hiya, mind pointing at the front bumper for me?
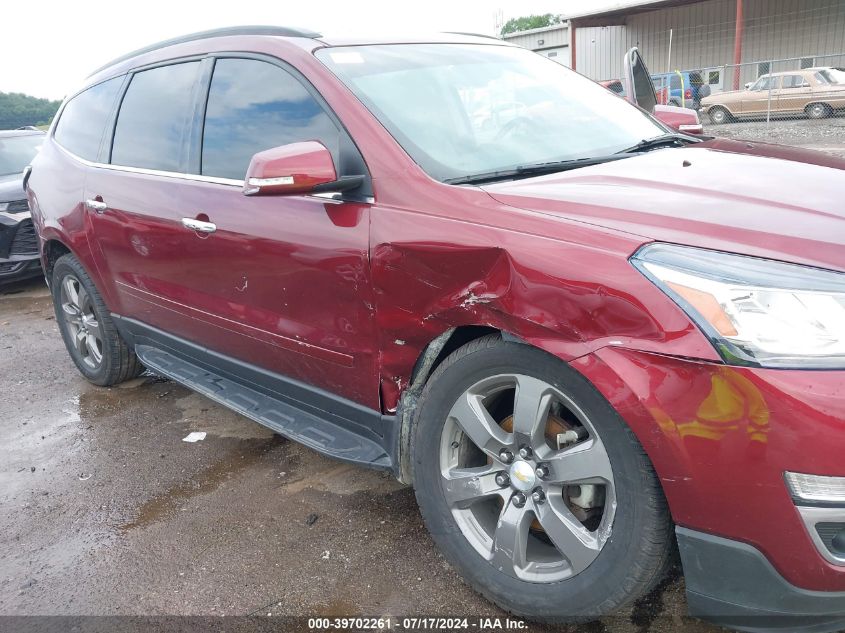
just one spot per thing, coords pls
(732, 584)
(19, 258)
(721, 438)
(17, 268)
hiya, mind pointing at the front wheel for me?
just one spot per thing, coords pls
(89, 333)
(534, 488)
(718, 116)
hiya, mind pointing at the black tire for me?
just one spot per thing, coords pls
(640, 549)
(719, 115)
(116, 360)
(818, 110)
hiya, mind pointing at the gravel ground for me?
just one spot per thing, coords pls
(105, 511)
(827, 135)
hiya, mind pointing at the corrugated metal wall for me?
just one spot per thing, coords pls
(703, 36)
(552, 37)
(555, 42)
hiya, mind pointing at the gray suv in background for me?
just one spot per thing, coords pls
(18, 242)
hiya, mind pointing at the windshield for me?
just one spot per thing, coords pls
(16, 152)
(466, 109)
(833, 75)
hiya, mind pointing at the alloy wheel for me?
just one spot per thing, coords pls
(83, 326)
(526, 478)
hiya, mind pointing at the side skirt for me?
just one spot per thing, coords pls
(311, 416)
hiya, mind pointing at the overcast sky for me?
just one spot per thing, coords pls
(46, 48)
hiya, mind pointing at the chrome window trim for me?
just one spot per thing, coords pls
(229, 182)
(151, 172)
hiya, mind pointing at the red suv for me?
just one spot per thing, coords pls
(585, 340)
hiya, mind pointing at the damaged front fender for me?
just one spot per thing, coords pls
(432, 274)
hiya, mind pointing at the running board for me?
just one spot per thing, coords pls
(279, 415)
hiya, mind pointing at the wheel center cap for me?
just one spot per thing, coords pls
(522, 476)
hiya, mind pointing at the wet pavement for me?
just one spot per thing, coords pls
(104, 510)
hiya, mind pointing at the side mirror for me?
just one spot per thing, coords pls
(748, 85)
(296, 168)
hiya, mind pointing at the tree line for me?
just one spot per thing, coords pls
(527, 22)
(18, 109)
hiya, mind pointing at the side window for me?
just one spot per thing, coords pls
(253, 106)
(153, 123)
(674, 82)
(80, 128)
(766, 83)
(793, 81)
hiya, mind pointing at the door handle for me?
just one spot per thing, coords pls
(199, 225)
(97, 206)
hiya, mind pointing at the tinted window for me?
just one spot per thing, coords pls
(675, 82)
(152, 126)
(695, 79)
(253, 106)
(80, 128)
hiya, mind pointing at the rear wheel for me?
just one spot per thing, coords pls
(719, 115)
(818, 110)
(87, 328)
(534, 488)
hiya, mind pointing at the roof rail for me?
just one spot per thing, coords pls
(279, 31)
(489, 37)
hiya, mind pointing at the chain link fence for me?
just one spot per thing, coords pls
(790, 86)
(797, 101)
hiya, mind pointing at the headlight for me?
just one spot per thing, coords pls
(755, 311)
(15, 206)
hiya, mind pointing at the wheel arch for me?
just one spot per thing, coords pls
(431, 355)
(51, 251)
(824, 104)
(721, 106)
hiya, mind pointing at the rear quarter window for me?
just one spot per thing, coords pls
(83, 119)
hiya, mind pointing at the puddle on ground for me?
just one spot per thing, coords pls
(201, 414)
(247, 453)
(338, 609)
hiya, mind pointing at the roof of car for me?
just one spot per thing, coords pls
(797, 71)
(304, 34)
(8, 133)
